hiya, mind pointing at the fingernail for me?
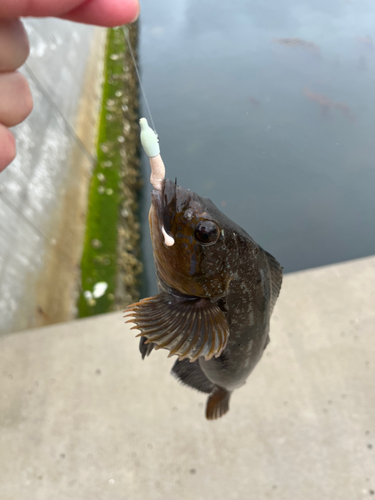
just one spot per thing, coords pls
(137, 14)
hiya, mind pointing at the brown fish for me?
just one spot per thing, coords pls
(217, 289)
(217, 292)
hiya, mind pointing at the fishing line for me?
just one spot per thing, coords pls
(126, 33)
(14, 237)
(69, 127)
(70, 133)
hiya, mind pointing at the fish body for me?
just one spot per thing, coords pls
(217, 289)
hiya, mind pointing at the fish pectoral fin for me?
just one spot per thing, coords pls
(187, 326)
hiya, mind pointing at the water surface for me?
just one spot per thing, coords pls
(268, 108)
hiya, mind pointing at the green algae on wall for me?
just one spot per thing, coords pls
(110, 266)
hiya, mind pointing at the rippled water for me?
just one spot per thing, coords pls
(268, 108)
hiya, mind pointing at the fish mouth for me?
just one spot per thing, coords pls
(165, 203)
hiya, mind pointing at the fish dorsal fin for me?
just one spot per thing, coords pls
(188, 327)
(276, 277)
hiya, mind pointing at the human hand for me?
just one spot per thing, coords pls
(15, 97)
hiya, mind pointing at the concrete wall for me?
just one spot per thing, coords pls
(43, 192)
(83, 417)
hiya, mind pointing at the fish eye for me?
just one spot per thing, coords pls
(207, 232)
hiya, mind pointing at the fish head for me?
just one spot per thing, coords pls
(190, 241)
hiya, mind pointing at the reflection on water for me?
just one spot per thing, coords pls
(268, 108)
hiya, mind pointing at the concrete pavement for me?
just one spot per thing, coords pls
(83, 418)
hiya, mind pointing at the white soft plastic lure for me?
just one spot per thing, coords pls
(150, 144)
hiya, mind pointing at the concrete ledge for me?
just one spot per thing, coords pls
(82, 417)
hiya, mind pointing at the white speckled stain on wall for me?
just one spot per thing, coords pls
(31, 188)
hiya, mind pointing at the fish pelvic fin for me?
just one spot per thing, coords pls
(189, 327)
(217, 403)
(191, 374)
(145, 349)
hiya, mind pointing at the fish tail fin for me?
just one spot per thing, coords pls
(217, 403)
(191, 374)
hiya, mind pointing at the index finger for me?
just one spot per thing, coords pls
(37, 8)
(100, 12)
